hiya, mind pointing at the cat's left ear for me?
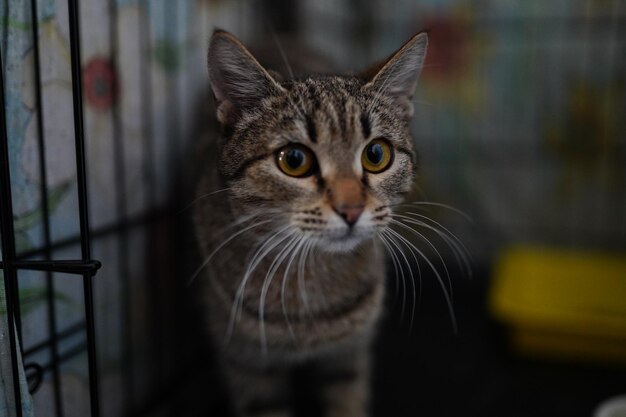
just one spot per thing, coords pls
(238, 81)
(397, 76)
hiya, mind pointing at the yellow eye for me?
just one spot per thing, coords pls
(377, 156)
(295, 160)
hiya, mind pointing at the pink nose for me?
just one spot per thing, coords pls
(350, 214)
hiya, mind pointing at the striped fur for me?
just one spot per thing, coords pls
(287, 280)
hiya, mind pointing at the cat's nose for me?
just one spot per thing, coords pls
(347, 198)
(350, 214)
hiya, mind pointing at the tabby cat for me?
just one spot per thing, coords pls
(308, 171)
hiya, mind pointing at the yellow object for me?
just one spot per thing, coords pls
(564, 304)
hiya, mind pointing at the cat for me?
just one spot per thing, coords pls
(291, 202)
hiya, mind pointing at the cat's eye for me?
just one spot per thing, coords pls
(377, 156)
(295, 160)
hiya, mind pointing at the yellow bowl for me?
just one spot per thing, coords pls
(562, 303)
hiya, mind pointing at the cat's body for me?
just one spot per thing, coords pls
(293, 270)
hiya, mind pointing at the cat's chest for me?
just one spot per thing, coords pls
(299, 280)
(316, 301)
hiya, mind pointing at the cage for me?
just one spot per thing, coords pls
(518, 123)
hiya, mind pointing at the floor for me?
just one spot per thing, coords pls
(431, 371)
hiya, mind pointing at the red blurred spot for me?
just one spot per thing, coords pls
(446, 50)
(100, 83)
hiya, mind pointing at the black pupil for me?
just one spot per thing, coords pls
(294, 158)
(375, 153)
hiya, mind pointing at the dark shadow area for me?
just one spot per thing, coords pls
(429, 370)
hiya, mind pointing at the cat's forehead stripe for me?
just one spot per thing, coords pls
(311, 130)
(329, 107)
(366, 125)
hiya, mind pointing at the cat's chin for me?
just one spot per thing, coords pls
(341, 244)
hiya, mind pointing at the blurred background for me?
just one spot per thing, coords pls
(519, 124)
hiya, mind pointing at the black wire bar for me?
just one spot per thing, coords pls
(81, 177)
(5, 28)
(8, 250)
(69, 267)
(52, 322)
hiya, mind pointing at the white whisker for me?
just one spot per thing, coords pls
(301, 270)
(459, 250)
(202, 197)
(430, 203)
(224, 243)
(396, 274)
(283, 286)
(439, 279)
(408, 265)
(282, 54)
(398, 269)
(433, 247)
(278, 260)
(416, 300)
(267, 246)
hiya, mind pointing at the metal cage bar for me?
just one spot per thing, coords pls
(52, 322)
(8, 249)
(81, 176)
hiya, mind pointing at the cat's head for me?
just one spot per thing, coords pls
(324, 156)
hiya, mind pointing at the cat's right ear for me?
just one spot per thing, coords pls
(397, 76)
(237, 79)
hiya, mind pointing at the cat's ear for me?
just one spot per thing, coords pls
(397, 76)
(237, 79)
